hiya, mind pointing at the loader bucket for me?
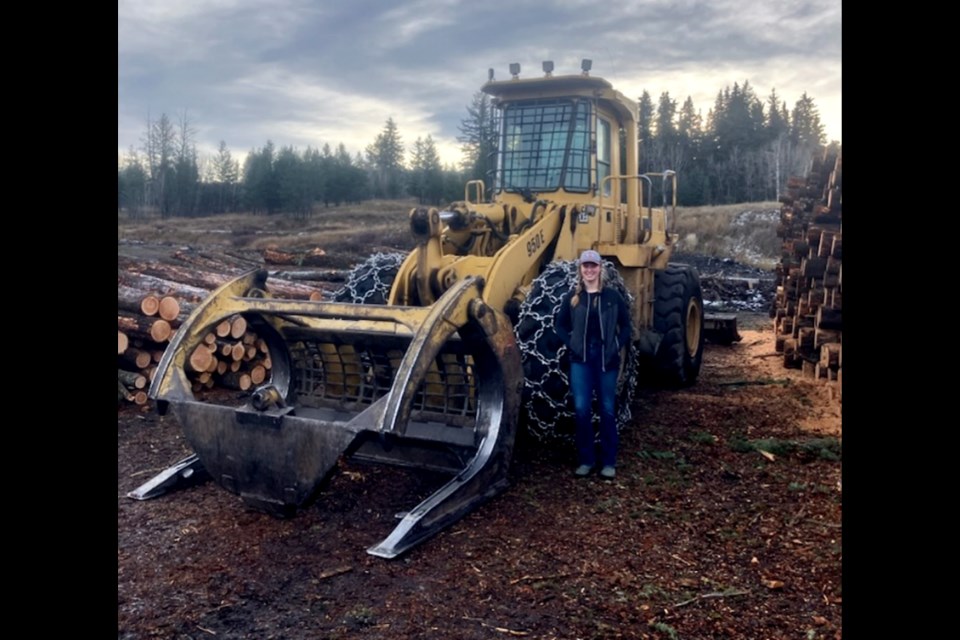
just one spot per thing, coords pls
(433, 387)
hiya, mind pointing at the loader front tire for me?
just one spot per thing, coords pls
(678, 318)
(547, 403)
(370, 281)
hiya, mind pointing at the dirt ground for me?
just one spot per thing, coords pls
(724, 521)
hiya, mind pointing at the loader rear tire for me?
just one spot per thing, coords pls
(678, 318)
(547, 403)
(370, 281)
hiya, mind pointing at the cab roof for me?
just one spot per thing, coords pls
(568, 86)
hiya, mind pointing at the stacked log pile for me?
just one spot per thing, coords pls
(807, 308)
(155, 297)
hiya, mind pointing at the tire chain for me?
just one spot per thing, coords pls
(370, 281)
(547, 401)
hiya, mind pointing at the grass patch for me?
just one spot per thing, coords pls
(359, 617)
(663, 627)
(648, 591)
(746, 232)
(702, 437)
(657, 455)
(610, 505)
(816, 448)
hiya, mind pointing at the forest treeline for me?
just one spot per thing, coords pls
(742, 151)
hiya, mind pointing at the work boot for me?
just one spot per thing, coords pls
(608, 472)
(583, 471)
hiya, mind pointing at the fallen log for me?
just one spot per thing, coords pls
(230, 349)
(156, 329)
(218, 262)
(199, 360)
(136, 358)
(238, 327)
(316, 275)
(131, 380)
(258, 374)
(188, 275)
(137, 300)
(149, 283)
(238, 380)
(210, 281)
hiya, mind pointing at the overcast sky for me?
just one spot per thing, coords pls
(309, 72)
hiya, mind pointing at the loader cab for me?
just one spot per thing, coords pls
(562, 136)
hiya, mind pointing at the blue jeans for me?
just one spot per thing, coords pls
(585, 379)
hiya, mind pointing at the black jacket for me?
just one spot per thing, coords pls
(615, 328)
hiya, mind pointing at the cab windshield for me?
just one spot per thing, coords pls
(546, 146)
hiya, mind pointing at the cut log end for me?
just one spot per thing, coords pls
(258, 374)
(160, 331)
(238, 327)
(200, 359)
(150, 305)
(169, 308)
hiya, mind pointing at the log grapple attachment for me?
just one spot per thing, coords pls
(435, 387)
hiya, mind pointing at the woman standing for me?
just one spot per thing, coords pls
(594, 322)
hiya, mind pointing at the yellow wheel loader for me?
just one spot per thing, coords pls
(432, 360)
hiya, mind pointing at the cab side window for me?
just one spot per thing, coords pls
(603, 155)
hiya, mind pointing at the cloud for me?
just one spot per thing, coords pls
(300, 72)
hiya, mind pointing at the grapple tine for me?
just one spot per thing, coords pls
(498, 399)
(184, 473)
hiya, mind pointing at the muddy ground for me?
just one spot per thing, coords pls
(724, 521)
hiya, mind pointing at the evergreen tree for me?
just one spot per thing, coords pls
(338, 180)
(666, 153)
(347, 178)
(425, 177)
(294, 185)
(736, 135)
(385, 155)
(692, 182)
(226, 172)
(453, 183)
(777, 123)
(260, 189)
(777, 133)
(806, 128)
(158, 148)
(737, 119)
(185, 194)
(645, 131)
(359, 177)
(806, 136)
(132, 185)
(478, 140)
